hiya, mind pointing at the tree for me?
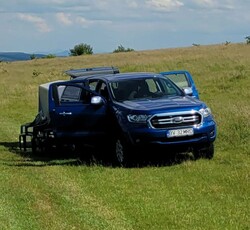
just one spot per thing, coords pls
(81, 49)
(122, 49)
(50, 56)
(247, 39)
(32, 56)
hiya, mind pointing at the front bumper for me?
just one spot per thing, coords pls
(206, 133)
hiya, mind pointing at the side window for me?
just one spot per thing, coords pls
(70, 94)
(104, 90)
(179, 79)
(101, 88)
(93, 84)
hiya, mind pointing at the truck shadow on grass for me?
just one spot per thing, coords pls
(87, 156)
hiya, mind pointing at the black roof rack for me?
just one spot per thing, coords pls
(74, 73)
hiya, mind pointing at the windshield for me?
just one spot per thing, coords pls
(134, 89)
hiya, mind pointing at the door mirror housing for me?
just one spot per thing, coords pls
(97, 100)
(188, 91)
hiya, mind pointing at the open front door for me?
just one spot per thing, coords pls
(73, 115)
(183, 80)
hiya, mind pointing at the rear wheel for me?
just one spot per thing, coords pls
(41, 144)
(35, 146)
(206, 152)
(38, 146)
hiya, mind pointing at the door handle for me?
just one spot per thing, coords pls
(65, 113)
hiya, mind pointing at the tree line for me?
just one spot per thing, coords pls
(84, 48)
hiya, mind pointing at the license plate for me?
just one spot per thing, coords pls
(180, 132)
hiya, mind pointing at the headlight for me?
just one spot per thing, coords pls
(205, 112)
(140, 118)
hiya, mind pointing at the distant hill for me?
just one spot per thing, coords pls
(64, 53)
(19, 56)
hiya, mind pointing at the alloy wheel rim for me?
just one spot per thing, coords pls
(119, 151)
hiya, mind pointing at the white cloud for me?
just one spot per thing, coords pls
(39, 22)
(87, 23)
(215, 4)
(209, 3)
(164, 5)
(64, 18)
(83, 22)
(132, 4)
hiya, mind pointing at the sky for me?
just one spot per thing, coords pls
(57, 25)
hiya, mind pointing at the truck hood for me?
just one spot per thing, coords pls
(164, 103)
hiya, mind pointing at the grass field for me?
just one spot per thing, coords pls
(69, 193)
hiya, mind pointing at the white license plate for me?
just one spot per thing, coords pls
(180, 132)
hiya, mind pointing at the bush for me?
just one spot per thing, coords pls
(122, 49)
(247, 39)
(81, 49)
(50, 56)
(32, 56)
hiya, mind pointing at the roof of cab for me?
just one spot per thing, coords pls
(119, 76)
(130, 75)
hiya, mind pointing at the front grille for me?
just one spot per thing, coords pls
(170, 120)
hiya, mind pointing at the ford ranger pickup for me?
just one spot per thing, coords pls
(122, 113)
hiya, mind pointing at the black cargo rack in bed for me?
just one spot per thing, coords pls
(74, 73)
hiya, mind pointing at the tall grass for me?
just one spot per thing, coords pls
(70, 193)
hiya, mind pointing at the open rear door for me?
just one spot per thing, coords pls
(183, 80)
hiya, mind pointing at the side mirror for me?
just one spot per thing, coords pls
(188, 91)
(96, 100)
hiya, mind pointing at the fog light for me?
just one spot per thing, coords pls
(212, 133)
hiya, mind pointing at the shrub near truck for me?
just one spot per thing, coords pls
(123, 112)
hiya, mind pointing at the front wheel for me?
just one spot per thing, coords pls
(121, 152)
(206, 152)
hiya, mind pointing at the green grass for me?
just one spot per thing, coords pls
(67, 193)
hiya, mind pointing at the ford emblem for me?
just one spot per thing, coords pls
(177, 119)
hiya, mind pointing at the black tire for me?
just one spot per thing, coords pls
(40, 146)
(121, 152)
(206, 152)
(36, 146)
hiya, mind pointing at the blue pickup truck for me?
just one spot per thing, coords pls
(122, 113)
